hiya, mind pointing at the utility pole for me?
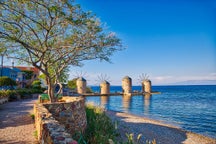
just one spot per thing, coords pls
(2, 61)
(2, 57)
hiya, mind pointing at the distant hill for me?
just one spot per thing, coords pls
(196, 82)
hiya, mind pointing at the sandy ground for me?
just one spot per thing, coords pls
(151, 129)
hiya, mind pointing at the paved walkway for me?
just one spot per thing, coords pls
(16, 124)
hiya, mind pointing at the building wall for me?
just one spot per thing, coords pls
(10, 72)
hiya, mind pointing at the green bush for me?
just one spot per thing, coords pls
(36, 84)
(6, 81)
(46, 97)
(23, 93)
(99, 127)
(8, 93)
(72, 83)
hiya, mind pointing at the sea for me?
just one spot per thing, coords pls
(191, 107)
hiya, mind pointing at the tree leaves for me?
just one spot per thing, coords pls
(53, 35)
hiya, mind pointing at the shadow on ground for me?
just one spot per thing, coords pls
(17, 113)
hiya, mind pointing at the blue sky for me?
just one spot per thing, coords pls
(171, 41)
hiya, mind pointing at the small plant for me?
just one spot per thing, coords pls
(151, 142)
(80, 138)
(100, 128)
(35, 134)
(131, 139)
(36, 84)
(32, 116)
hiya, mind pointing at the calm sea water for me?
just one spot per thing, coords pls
(191, 108)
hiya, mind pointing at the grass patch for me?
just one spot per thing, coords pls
(32, 116)
(100, 128)
(35, 134)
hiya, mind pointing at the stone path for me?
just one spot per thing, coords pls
(16, 124)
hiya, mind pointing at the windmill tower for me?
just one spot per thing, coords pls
(146, 83)
(127, 85)
(104, 84)
(81, 84)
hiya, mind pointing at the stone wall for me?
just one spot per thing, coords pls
(57, 122)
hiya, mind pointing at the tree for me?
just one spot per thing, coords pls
(52, 35)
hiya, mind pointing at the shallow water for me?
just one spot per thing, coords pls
(192, 108)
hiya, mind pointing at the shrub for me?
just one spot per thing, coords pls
(46, 97)
(72, 83)
(36, 84)
(8, 93)
(99, 127)
(6, 81)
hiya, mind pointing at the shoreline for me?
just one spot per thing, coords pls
(152, 129)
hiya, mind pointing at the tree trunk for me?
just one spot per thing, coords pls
(51, 91)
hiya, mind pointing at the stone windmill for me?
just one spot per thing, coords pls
(104, 84)
(127, 85)
(146, 83)
(81, 83)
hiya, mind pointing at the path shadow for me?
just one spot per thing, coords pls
(16, 113)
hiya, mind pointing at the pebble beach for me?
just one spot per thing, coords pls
(152, 129)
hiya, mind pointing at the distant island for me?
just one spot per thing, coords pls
(196, 82)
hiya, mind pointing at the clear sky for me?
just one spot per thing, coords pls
(171, 41)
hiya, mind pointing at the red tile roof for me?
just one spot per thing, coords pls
(34, 69)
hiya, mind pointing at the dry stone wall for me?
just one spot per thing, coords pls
(57, 122)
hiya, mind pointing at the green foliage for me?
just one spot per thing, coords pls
(72, 83)
(6, 81)
(53, 35)
(28, 74)
(7, 93)
(46, 96)
(99, 127)
(101, 130)
(132, 140)
(35, 134)
(36, 84)
(32, 116)
(23, 93)
(89, 90)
